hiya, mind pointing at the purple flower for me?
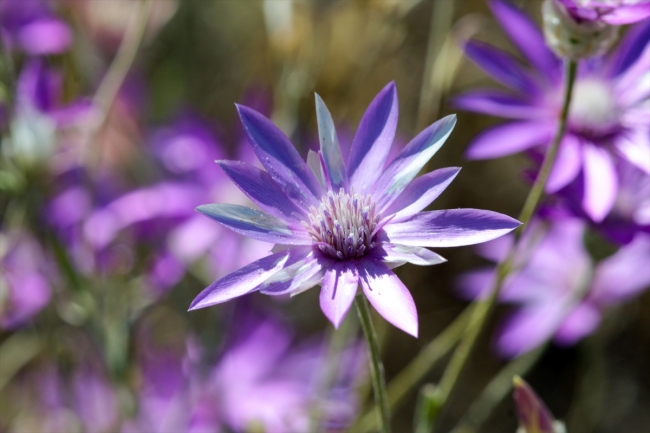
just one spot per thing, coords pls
(533, 415)
(608, 118)
(562, 293)
(24, 286)
(630, 213)
(262, 378)
(344, 223)
(31, 26)
(613, 12)
(162, 213)
(40, 115)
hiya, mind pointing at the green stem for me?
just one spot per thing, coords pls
(415, 371)
(484, 308)
(376, 367)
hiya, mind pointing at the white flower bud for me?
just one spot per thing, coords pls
(572, 39)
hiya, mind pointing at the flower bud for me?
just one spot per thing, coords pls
(534, 416)
(575, 39)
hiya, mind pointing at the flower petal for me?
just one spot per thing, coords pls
(627, 14)
(391, 253)
(420, 193)
(601, 182)
(300, 276)
(630, 48)
(388, 295)
(530, 327)
(280, 158)
(406, 165)
(451, 228)
(581, 322)
(498, 103)
(373, 140)
(254, 224)
(335, 172)
(510, 138)
(339, 289)
(624, 274)
(501, 66)
(262, 190)
(526, 36)
(635, 147)
(246, 279)
(566, 166)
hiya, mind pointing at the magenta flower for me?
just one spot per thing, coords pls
(344, 222)
(561, 291)
(613, 12)
(608, 118)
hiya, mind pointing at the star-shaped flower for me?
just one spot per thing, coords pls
(345, 221)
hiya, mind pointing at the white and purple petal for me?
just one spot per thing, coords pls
(339, 289)
(280, 158)
(526, 36)
(600, 180)
(420, 193)
(502, 67)
(499, 103)
(510, 138)
(388, 295)
(395, 253)
(407, 164)
(373, 140)
(300, 276)
(246, 279)
(334, 167)
(450, 228)
(255, 224)
(262, 190)
(567, 164)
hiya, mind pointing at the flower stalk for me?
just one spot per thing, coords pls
(376, 367)
(483, 308)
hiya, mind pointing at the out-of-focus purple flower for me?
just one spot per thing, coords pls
(344, 223)
(40, 115)
(261, 379)
(630, 213)
(608, 117)
(561, 292)
(613, 12)
(164, 212)
(31, 26)
(533, 415)
(24, 282)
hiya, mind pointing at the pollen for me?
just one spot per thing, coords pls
(344, 224)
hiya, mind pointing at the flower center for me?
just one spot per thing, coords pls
(593, 108)
(344, 224)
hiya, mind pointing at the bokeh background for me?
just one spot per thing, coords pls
(112, 296)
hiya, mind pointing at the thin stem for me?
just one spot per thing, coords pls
(425, 412)
(119, 68)
(484, 308)
(376, 367)
(415, 371)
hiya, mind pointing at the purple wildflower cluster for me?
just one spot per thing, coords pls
(599, 181)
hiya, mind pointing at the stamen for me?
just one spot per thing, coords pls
(344, 225)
